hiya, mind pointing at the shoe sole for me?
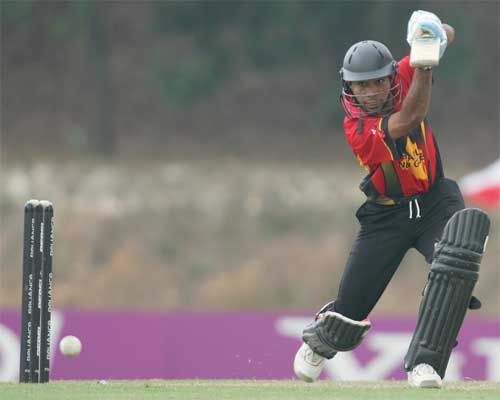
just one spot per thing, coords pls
(427, 384)
(304, 378)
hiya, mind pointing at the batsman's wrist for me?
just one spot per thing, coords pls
(425, 68)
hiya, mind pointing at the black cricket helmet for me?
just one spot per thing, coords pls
(364, 61)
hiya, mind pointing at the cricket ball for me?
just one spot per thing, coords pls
(70, 346)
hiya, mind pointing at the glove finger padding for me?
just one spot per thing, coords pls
(426, 22)
(415, 21)
(435, 29)
(333, 332)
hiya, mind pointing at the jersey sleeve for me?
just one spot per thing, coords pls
(372, 145)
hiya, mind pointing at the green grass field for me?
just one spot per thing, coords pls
(239, 390)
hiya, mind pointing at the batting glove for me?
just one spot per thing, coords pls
(424, 22)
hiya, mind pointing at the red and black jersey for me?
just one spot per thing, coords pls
(397, 168)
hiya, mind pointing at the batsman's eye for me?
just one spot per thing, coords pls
(358, 85)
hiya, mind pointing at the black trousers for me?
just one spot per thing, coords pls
(386, 234)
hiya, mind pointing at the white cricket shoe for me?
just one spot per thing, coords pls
(424, 376)
(307, 364)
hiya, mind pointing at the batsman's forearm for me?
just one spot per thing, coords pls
(416, 104)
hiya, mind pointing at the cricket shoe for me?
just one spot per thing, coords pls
(307, 364)
(424, 376)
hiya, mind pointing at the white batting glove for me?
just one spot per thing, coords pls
(424, 22)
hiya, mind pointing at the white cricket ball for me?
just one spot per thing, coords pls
(70, 346)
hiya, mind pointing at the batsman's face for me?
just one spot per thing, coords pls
(372, 94)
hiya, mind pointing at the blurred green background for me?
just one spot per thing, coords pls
(194, 152)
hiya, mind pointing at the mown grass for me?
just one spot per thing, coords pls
(243, 389)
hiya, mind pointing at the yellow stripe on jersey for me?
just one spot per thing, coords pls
(422, 129)
(424, 134)
(383, 141)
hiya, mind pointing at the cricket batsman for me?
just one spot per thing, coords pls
(409, 204)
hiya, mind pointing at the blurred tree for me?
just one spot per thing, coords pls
(185, 53)
(99, 52)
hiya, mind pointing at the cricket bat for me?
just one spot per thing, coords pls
(425, 51)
